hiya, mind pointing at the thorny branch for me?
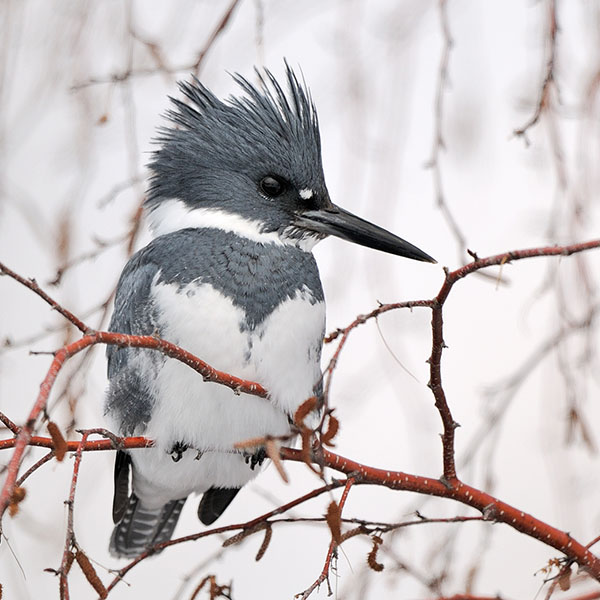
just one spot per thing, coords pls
(131, 341)
(548, 94)
(34, 287)
(334, 521)
(449, 486)
(253, 526)
(70, 543)
(491, 508)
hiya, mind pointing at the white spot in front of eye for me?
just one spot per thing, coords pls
(306, 194)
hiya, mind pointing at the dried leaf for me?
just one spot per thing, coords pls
(303, 410)
(60, 444)
(564, 581)
(372, 556)
(334, 520)
(265, 543)
(90, 574)
(272, 448)
(18, 495)
(333, 427)
(306, 448)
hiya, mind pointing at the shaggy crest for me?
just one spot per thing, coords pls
(264, 130)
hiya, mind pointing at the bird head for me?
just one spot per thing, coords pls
(252, 164)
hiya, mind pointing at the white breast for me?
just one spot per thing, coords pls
(281, 354)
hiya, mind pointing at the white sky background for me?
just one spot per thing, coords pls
(373, 72)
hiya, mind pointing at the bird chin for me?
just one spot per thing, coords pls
(302, 238)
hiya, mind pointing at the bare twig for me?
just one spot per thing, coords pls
(252, 525)
(324, 576)
(548, 82)
(130, 341)
(194, 66)
(492, 508)
(70, 542)
(448, 487)
(35, 288)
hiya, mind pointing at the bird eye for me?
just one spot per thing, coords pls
(272, 186)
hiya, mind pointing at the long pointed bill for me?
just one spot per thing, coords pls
(340, 223)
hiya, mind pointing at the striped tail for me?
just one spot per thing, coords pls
(141, 528)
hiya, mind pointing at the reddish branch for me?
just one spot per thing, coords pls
(436, 305)
(257, 524)
(88, 446)
(9, 424)
(35, 466)
(67, 559)
(492, 508)
(34, 287)
(360, 320)
(124, 341)
(588, 596)
(448, 487)
(335, 533)
(72, 550)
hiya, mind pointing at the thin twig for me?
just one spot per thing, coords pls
(253, 525)
(130, 341)
(70, 542)
(333, 544)
(34, 287)
(492, 508)
(13, 427)
(548, 82)
(194, 66)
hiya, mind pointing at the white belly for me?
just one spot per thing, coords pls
(282, 354)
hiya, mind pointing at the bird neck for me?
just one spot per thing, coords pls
(174, 215)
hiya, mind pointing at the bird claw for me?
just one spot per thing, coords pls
(177, 451)
(255, 458)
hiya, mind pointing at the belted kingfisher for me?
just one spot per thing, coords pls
(237, 200)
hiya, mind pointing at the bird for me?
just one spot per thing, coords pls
(235, 203)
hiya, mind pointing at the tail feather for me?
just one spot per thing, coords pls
(121, 496)
(141, 528)
(214, 502)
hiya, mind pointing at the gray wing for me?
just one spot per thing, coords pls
(130, 402)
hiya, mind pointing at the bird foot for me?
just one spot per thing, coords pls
(177, 451)
(255, 458)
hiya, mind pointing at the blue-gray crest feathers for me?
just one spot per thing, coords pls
(265, 130)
